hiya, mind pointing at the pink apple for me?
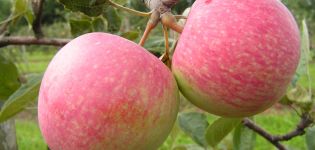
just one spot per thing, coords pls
(236, 58)
(104, 92)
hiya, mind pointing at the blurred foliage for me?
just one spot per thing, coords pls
(304, 9)
(5, 6)
(53, 12)
(195, 125)
(244, 138)
(310, 136)
(9, 78)
(22, 97)
(182, 5)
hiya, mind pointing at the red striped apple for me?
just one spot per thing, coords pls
(101, 91)
(236, 58)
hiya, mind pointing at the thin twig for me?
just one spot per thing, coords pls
(250, 124)
(299, 130)
(132, 11)
(296, 111)
(20, 40)
(276, 139)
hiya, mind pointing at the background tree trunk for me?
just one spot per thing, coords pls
(8, 136)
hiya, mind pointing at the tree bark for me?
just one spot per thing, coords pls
(8, 135)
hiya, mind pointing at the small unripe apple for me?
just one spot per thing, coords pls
(103, 92)
(236, 58)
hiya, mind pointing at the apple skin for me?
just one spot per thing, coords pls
(236, 58)
(101, 91)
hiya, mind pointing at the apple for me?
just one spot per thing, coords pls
(101, 91)
(236, 58)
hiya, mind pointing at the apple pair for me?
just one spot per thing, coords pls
(235, 58)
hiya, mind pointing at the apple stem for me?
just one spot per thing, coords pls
(153, 21)
(169, 20)
(165, 58)
(132, 11)
(146, 33)
(173, 45)
(167, 47)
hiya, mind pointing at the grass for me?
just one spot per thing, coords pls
(280, 124)
(29, 137)
(37, 62)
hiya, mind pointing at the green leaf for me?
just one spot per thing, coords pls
(305, 50)
(194, 124)
(98, 24)
(285, 100)
(130, 35)
(79, 27)
(22, 97)
(29, 16)
(88, 7)
(8, 78)
(113, 19)
(305, 42)
(20, 8)
(301, 97)
(173, 135)
(310, 138)
(244, 138)
(219, 129)
(306, 56)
